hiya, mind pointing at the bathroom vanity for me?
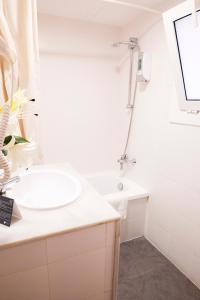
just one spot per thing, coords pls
(68, 253)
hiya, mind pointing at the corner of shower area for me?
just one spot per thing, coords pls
(82, 83)
(127, 197)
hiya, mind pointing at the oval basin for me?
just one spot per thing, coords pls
(45, 189)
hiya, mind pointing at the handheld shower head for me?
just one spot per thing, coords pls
(132, 43)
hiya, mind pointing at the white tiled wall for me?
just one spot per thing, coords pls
(76, 266)
(168, 163)
(133, 226)
(86, 91)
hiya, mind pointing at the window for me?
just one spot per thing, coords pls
(188, 43)
(184, 45)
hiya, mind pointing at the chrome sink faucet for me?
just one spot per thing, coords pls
(125, 159)
(3, 186)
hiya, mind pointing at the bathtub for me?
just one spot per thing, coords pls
(127, 197)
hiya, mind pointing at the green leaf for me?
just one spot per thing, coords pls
(20, 140)
(7, 140)
(5, 152)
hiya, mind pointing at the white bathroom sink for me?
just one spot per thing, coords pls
(45, 189)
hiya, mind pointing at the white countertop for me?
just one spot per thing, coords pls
(90, 209)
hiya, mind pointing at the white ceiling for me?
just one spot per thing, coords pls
(99, 11)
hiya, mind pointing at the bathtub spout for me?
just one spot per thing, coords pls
(121, 162)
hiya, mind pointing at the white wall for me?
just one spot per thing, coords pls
(81, 88)
(79, 94)
(168, 163)
(73, 37)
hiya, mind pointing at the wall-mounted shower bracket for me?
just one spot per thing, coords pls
(133, 42)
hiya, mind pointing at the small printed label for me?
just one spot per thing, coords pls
(6, 210)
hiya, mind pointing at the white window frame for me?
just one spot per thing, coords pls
(169, 17)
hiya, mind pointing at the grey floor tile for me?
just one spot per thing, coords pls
(145, 274)
(139, 257)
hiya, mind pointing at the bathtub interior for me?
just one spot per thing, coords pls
(133, 196)
(111, 185)
(106, 184)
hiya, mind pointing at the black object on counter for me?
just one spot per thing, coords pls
(6, 210)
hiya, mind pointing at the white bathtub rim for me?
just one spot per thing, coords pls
(134, 191)
(125, 196)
